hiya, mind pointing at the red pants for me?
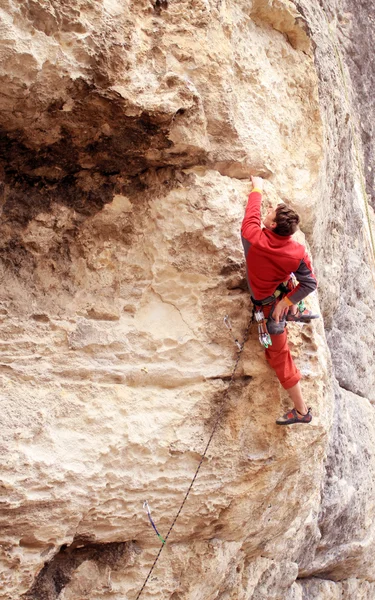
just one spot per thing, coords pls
(279, 358)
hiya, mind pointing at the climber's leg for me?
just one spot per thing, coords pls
(280, 359)
(295, 394)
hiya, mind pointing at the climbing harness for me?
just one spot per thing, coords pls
(270, 326)
(217, 420)
(146, 506)
(267, 326)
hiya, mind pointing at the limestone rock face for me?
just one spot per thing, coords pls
(349, 476)
(345, 264)
(129, 130)
(355, 22)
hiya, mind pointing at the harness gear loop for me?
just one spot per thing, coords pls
(217, 420)
(284, 288)
(269, 326)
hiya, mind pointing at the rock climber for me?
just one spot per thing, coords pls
(272, 256)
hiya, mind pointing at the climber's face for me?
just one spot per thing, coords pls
(269, 220)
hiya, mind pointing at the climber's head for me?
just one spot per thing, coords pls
(281, 220)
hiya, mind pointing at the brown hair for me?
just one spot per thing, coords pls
(286, 220)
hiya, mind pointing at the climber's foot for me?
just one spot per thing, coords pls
(303, 317)
(293, 416)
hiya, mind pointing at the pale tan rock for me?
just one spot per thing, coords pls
(83, 582)
(309, 589)
(346, 520)
(132, 130)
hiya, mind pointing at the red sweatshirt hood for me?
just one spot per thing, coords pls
(276, 240)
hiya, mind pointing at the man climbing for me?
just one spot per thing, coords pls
(271, 258)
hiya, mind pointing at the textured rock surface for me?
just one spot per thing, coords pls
(349, 476)
(342, 251)
(318, 588)
(355, 22)
(129, 130)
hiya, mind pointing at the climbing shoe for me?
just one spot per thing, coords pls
(302, 317)
(274, 328)
(293, 416)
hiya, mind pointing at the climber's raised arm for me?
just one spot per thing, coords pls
(251, 224)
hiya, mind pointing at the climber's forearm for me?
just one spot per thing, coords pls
(251, 224)
(307, 282)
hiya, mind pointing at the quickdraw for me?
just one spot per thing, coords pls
(228, 325)
(146, 506)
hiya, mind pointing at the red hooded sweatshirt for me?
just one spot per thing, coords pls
(271, 258)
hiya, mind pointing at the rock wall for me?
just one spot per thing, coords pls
(129, 130)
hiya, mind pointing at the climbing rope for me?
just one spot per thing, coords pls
(217, 420)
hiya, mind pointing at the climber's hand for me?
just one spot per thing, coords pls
(257, 182)
(280, 310)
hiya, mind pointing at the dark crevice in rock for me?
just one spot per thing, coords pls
(244, 378)
(240, 286)
(80, 148)
(222, 401)
(78, 153)
(34, 178)
(25, 199)
(303, 22)
(318, 577)
(350, 388)
(57, 573)
(16, 257)
(232, 266)
(160, 5)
